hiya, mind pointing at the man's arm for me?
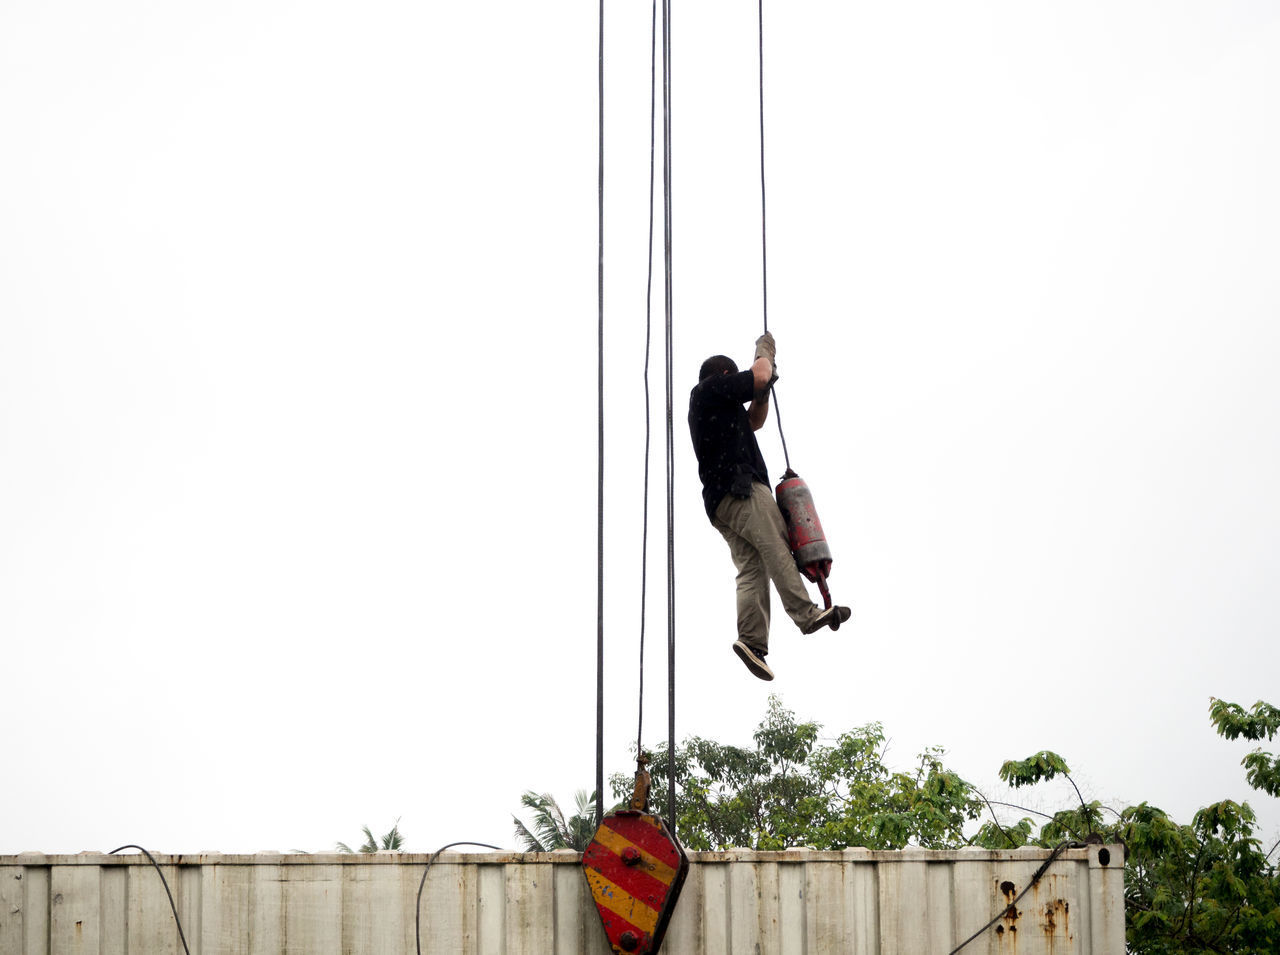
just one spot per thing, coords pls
(761, 374)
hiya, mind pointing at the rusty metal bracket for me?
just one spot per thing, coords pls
(640, 794)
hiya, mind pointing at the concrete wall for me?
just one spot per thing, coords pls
(797, 902)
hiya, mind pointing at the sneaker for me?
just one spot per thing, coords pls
(831, 617)
(754, 660)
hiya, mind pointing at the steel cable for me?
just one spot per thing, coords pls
(670, 417)
(764, 231)
(671, 547)
(764, 243)
(600, 437)
(648, 341)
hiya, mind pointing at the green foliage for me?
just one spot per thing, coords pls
(1077, 824)
(1199, 887)
(1204, 887)
(391, 840)
(1261, 721)
(1262, 770)
(991, 835)
(1041, 767)
(550, 829)
(791, 789)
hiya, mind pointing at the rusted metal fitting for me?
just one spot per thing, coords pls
(640, 794)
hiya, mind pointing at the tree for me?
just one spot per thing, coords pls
(1198, 887)
(791, 789)
(551, 830)
(1202, 887)
(391, 840)
(1262, 721)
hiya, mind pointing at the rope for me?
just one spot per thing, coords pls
(671, 560)
(764, 232)
(165, 883)
(600, 442)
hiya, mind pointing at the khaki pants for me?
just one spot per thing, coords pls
(757, 537)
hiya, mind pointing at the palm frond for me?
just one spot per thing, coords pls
(526, 839)
(554, 824)
(582, 827)
(549, 829)
(393, 839)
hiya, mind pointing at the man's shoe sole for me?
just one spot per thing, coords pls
(755, 664)
(832, 618)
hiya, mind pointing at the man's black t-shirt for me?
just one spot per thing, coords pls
(728, 457)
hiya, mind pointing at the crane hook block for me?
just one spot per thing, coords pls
(635, 868)
(804, 530)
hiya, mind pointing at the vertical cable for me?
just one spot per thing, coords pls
(648, 340)
(671, 564)
(764, 245)
(764, 232)
(600, 438)
(777, 416)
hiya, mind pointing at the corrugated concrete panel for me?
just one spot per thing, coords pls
(797, 902)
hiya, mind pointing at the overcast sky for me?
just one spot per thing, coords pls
(298, 398)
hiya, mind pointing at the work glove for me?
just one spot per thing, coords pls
(765, 348)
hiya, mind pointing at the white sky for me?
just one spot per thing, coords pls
(298, 398)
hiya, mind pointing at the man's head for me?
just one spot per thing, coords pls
(717, 365)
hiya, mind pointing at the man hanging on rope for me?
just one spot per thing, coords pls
(735, 491)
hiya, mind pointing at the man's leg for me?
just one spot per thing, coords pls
(757, 523)
(753, 587)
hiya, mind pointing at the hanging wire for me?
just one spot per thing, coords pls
(417, 909)
(165, 882)
(600, 440)
(671, 546)
(764, 233)
(1012, 907)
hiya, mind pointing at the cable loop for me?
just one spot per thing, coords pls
(417, 911)
(165, 882)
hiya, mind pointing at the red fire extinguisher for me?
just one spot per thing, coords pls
(804, 531)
